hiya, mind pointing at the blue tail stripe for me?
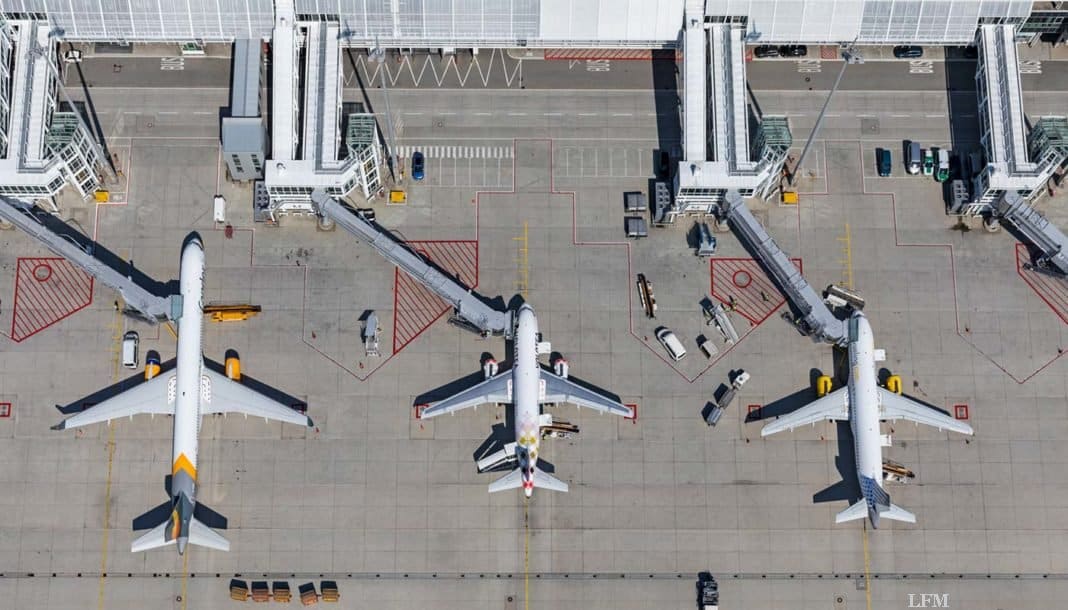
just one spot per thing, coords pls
(875, 495)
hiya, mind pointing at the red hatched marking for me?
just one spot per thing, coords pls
(1053, 291)
(601, 54)
(960, 411)
(755, 296)
(828, 51)
(415, 307)
(5, 409)
(47, 290)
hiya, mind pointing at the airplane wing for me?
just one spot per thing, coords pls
(493, 390)
(895, 406)
(558, 390)
(224, 395)
(832, 407)
(155, 396)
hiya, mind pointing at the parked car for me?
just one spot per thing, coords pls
(418, 166)
(928, 162)
(942, 173)
(884, 161)
(793, 50)
(766, 50)
(914, 158)
(671, 343)
(908, 52)
(130, 343)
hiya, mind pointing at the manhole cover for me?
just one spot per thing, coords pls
(869, 126)
(42, 272)
(742, 278)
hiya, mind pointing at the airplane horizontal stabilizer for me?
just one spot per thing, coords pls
(202, 535)
(512, 480)
(153, 539)
(545, 480)
(858, 510)
(896, 513)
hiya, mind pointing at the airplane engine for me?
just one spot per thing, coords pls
(151, 367)
(233, 368)
(893, 383)
(823, 386)
(560, 367)
(489, 368)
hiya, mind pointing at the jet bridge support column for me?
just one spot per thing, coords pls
(814, 316)
(467, 305)
(77, 249)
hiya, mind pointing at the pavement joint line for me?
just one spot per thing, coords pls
(116, 346)
(480, 576)
(526, 554)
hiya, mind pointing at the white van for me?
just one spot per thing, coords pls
(671, 343)
(130, 343)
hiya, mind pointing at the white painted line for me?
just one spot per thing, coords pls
(900, 116)
(413, 114)
(587, 114)
(517, 114)
(483, 114)
(552, 114)
(935, 116)
(447, 113)
(866, 116)
(622, 114)
(165, 112)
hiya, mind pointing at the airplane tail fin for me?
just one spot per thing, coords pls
(858, 510)
(178, 526)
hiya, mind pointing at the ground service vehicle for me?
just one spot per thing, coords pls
(928, 162)
(908, 52)
(671, 343)
(913, 158)
(942, 173)
(130, 343)
(884, 161)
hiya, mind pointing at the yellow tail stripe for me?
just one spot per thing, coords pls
(183, 464)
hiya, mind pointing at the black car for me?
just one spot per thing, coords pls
(793, 50)
(766, 50)
(908, 52)
(884, 161)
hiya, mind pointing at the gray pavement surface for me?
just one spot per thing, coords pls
(392, 508)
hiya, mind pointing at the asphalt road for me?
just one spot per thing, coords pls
(494, 70)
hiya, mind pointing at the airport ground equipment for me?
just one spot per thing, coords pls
(238, 590)
(371, 331)
(231, 312)
(329, 590)
(707, 592)
(715, 412)
(635, 227)
(645, 295)
(737, 381)
(716, 315)
(812, 317)
(896, 472)
(634, 202)
(467, 306)
(661, 203)
(260, 591)
(706, 244)
(67, 242)
(308, 596)
(280, 592)
(1038, 232)
(559, 429)
(707, 347)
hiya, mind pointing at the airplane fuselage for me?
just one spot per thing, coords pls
(525, 381)
(864, 411)
(187, 390)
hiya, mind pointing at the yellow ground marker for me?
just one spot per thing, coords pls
(526, 549)
(185, 578)
(847, 258)
(523, 262)
(117, 342)
(867, 565)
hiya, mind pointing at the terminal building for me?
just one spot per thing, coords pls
(307, 140)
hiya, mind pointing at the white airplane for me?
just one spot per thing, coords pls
(528, 386)
(865, 404)
(188, 392)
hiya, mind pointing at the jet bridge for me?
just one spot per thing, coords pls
(1037, 231)
(78, 249)
(813, 315)
(467, 305)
